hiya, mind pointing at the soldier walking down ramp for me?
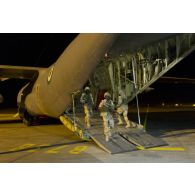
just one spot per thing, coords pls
(106, 108)
(87, 101)
(122, 108)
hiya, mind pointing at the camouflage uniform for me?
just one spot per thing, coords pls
(87, 101)
(106, 107)
(122, 108)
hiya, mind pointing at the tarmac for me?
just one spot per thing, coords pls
(51, 142)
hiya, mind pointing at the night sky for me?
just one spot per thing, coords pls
(36, 50)
(32, 49)
(41, 50)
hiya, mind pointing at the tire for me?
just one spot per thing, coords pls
(27, 119)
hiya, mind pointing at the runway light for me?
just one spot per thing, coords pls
(193, 105)
(176, 104)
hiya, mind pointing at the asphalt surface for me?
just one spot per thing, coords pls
(51, 142)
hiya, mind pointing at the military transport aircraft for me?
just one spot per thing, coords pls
(131, 62)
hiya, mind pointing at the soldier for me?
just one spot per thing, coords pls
(87, 101)
(122, 108)
(106, 108)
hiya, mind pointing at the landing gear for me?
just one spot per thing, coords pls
(27, 119)
(27, 122)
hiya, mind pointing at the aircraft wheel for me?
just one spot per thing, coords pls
(27, 119)
(27, 122)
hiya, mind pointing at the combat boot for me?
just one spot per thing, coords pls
(107, 138)
(120, 122)
(88, 125)
(127, 122)
(128, 125)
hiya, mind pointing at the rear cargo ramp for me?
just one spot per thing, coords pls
(123, 140)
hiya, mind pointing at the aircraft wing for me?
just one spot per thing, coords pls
(20, 72)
